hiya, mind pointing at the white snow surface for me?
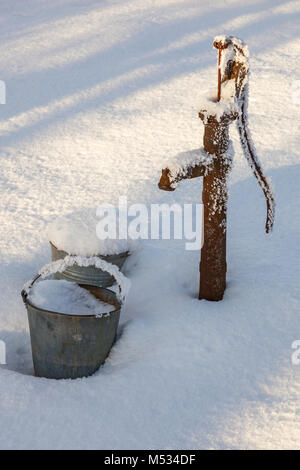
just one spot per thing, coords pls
(181, 163)
(99, 93)
(76, 234)
(209, 105)
(66, 297)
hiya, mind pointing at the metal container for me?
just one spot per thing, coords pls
(88, 275)
(71, 346)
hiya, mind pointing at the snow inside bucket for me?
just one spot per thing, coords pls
(68, 298)
(72, 329)
(75, 234)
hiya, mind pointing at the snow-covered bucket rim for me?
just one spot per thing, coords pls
(60, 266)
(122, 254)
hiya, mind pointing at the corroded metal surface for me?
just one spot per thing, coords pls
(220, 46)
(167, 184)
(214, 197)
(216, 143)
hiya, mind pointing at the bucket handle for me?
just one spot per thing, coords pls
(61, 265)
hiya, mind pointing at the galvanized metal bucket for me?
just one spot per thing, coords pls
(66, 346)
(88, 275)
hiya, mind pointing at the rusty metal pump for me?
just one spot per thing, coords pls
(233, 72)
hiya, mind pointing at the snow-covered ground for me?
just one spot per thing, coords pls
(99, 93)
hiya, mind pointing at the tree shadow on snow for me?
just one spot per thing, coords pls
(124, 58)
